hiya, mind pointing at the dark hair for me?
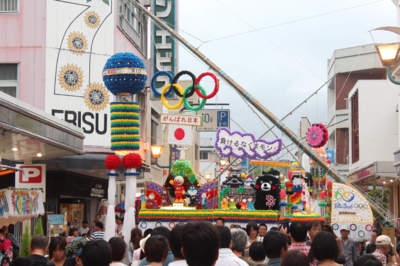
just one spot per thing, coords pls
(163, 231)
(99, 225)
(72, 230)
(324, 246)
(175, 241)
(263, 225)
(273, 243)
(274, 228)
(39, 242)
(367, 260)
(118, 248)
(327, 228)
(96, 252)
(56, 243)
(136, 236)
(156, 248)
(22, 261)
(257, 251)
(85, 222)
(295, 257)
(313, 224)
(220, 219)
(147, 232)
(298, 231)
(200, 242)
(250, 226)
(225, 236)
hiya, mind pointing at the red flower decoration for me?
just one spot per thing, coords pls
(132, 160)
(112, 162)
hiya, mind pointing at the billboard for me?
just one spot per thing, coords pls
(213, 119)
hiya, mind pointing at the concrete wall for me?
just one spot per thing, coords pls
(378, 121)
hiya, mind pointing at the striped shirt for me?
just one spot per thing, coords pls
(300, 246)
(97, 235)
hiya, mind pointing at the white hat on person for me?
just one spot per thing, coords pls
(383, 240)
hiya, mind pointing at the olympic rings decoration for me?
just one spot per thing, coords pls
(353, 227)
(368, 227)
(335, 227)
(157, 224)
(171, 225)
(361, 234)
(143, 225)
(185, 102)
(164, 101)
(183, 94)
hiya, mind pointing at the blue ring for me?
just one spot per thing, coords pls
(153, 83)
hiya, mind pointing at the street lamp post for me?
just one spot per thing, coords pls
(156, 151)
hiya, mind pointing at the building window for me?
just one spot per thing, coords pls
(355, 143)
(9, 6)
(132, 22)
(8, 79)
(203, 155)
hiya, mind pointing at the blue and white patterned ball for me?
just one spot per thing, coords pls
(124, 73)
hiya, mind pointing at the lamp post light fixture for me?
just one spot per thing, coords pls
(156, 151)
(223, 162)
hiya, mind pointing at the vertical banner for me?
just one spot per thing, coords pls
(31, 177)
(350, 210)
(164, 46)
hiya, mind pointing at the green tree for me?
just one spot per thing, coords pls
(38, 230)
(25, 242)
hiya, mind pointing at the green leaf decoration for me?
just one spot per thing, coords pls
(240, 190)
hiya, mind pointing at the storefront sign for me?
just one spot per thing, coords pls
(55, 218)
(31, 176)
(187, 120)
(97, 191)
(362, 174)
(213, 119)
(245, 145)
(350, 210)
(164, 46)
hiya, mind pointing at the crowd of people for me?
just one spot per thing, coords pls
(207, 244)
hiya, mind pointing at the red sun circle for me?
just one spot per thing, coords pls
(179, 133)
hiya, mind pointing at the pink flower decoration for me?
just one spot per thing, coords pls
(270, 201)
(317, 135)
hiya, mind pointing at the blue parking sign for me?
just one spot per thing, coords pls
(223, 118)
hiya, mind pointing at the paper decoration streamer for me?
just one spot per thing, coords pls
(245, 145)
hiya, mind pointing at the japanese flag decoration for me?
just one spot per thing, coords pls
(180, 135)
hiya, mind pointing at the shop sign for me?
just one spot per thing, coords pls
(244, 145)
(31, 176)
(164, 48)
(177, 119)
(361, 174)
(97, 191)
(213, 119)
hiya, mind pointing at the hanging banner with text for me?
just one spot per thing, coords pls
(245, 145)
(184, 120)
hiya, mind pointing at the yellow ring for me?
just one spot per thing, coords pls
(165, 103)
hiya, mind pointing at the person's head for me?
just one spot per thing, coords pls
(163, 231)
(224, 236)
(367, 260)
(200, 244)
(95, 252)
(156, 248)
(344, 233)
(314, 228)
(73, 231)
(384, 243)
(274, 228)
(374, 235)
(239, 239)
(39, 244)
(98, 226)
(175, 241)
(57, 248)
(324, 247)
(118, 248)
(220, 222)
(85, 224)
(275, 244)
(262, 230)
(118, 220)
(252, 230)
(298, 232)
(147, 232)
(295, 257)
(257, 252)
(136, 236)
(328, 228)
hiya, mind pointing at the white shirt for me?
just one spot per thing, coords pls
(228, 258)
(178, 263)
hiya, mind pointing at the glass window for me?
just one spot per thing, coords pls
(8, 6)
(203, 155)
(8, 79)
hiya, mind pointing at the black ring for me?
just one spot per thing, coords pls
(177, 76)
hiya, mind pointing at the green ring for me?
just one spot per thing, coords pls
(203, 100)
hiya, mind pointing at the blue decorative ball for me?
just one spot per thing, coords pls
(124, 73)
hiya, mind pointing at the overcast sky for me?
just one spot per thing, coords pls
(286, 60)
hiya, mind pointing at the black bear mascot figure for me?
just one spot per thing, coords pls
(268, 187)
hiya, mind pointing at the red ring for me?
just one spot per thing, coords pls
(216, 87)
